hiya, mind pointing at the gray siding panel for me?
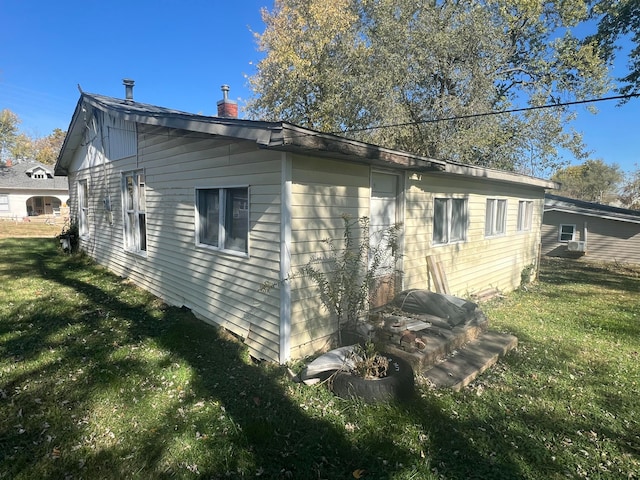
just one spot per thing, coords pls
(607, 240)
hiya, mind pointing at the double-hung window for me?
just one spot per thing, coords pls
(525, 215)
(495, 218)
(83, 208)
(449, 220)
(223, 218)
(567, 233)
(134, 211)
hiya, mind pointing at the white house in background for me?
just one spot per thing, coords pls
(202, 211)
(29, 188)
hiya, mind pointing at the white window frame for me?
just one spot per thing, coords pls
(4, 202)
(495, 224)
(525, 215)
(224, 242)
(561, 233)
(83, 207)
(134, 214)
(448, 221)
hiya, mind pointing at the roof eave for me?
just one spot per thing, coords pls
(71, 141)
(602, 215)
(499, 175)
(302, 140)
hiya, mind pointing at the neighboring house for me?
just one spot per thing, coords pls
(573, 228)
(202, 211)
(29, 188)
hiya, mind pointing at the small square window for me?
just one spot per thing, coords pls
(223, 218)
(567, 233)
(449, 220)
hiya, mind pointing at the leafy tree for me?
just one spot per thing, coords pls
(22, 147)
(617, 19)
(9, 122)
(46, 149)
(593, 181)
(630, 195)
(359, 66)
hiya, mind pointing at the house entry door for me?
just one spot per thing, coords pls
(384, 213)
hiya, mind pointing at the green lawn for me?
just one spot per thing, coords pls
(100, 380)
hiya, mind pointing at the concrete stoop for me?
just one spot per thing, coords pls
(447, 356)
(460, 369)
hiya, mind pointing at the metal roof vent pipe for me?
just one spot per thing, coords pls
(128, 89)
(227, 108)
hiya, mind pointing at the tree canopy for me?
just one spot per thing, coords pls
(630, 192)
(618, 19)
(9, 122)
(16, 145)
(593, 181)
(414, 75)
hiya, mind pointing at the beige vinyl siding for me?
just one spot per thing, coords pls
(322, 190)
(480, 262)
(219, 287)
(608, 240)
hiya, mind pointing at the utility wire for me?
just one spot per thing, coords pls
(486, 114)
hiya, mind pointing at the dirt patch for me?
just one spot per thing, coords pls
(21, 229)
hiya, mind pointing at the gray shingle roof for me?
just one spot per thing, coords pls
(571, 205)
(20, 176)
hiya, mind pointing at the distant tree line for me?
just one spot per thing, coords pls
(17, 146)
(596, 181)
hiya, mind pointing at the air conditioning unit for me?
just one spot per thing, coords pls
(575, 246)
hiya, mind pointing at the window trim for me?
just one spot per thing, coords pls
(5, 196)
(525, 216)
(491, 218)
(83, 208)
(573, 233)
(222, 217)
(449, 215)
(137, 241)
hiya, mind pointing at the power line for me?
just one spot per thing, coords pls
(486, 114)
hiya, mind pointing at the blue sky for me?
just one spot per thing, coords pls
(179, 54)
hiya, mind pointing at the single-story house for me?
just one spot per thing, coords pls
(573, 228)
(29, 188)
(203, 210)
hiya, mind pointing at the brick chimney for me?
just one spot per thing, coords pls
(227, 108)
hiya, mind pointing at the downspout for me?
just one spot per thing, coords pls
(586, 231)
(285, 259)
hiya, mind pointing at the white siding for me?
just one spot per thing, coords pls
(217, 286)
(480, 262)
(322, 190)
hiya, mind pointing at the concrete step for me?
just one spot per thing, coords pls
(464, 365)
(425, 347)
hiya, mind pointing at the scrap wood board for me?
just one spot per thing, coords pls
(438, 274)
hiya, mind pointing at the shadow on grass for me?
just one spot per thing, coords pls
(566, 271)
(75, 350)
(87, 391)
